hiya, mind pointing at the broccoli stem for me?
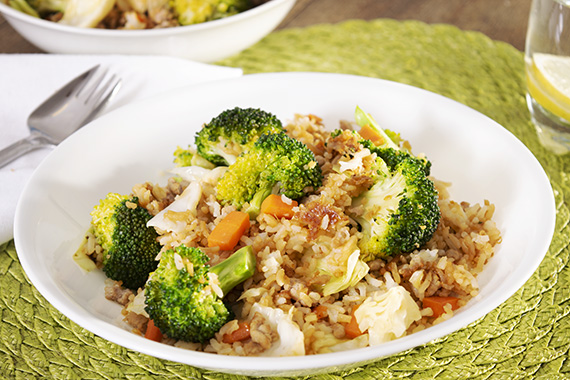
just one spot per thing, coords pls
(362, 118)
(235, 269)
(255, 204)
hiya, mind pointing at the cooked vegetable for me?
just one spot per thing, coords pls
(353, 270)
(86, 14)
(369, 133)
(437, 304)
(386, 315)
(233, 132)
(276, 163)
(275, 206)
(321, 311)
(131, 14)
(23, 6)
(370, 127)
(184, 295)
(129, 246)
(152, 332)
(399, 213)
(227, 233)
(291, 338)
(351, 329)
(189, 157)
(173, 218)
(38, 8)
(197, 11)
(242, 333)
(184, 203)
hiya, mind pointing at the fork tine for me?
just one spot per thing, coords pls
(90, 87)
(83, 80)
(110, 88)
(96, 96)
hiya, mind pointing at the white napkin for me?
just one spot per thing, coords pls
(26, 80)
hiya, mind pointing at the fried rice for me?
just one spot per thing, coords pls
(285, 285)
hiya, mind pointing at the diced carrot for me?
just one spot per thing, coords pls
(351, 329)
(227, 233)
(152, 332)
(242, 333)
(321, 311)
(275, 206)
(436, 304)
(371, 134)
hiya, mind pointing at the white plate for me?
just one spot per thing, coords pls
(135, 143)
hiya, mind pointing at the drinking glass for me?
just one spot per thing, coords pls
(547, 68)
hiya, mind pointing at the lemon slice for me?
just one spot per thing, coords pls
(548, 79)
(86, 13)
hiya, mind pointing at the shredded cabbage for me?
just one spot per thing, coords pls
(82, 259)
(187, 201)
(387, 315)
(291, 339)
(138, 304)
(199, 173)
(86, 14)
(139, 6)
(355, 271)
(190, 197)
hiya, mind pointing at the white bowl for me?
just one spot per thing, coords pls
(481, 159)
(205, 42)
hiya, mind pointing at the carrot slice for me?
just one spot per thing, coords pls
(152, 332)
(227, 233)
(436, 304)
(371, 134)
(242, 333)
(321, 311)
(275, 206)
(351, 329)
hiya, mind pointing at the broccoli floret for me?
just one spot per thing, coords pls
(399, 213)
(129, 246)
(400, 210)
(392, 157)
(225, 8)
(182, 298)
(232, 132)
(189, 157)
(193, 11)
(276, 163)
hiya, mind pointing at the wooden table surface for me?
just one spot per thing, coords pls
(503, 20)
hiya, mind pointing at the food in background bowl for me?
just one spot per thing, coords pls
(290, 240)
(131, 14)
(203, 42)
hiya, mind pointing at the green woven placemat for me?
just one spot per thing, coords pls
(526, 337)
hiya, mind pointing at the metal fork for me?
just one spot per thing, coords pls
(68, 109)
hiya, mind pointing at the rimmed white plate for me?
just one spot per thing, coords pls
(135, 143)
